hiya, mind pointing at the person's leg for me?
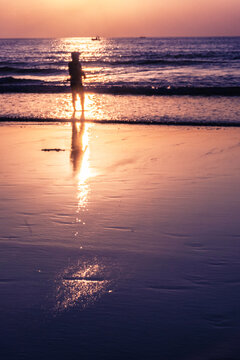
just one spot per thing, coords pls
(74, 98)
(82, 98)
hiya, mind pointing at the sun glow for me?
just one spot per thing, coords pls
(80, 162)
(65, 18)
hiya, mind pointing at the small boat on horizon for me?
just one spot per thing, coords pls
(97, 38)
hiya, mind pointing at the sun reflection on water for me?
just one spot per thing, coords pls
(82, 285)
(80, 162)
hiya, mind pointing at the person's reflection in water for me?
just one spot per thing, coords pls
(77, 150)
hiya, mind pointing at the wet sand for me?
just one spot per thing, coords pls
(99, 108)
(125, 244)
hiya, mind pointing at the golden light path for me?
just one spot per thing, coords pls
(80, 153)
(83, 172)
(83, 283)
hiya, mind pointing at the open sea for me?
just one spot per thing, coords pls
(147, 66)
(191, 81)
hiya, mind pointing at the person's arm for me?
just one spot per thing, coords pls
(82, 73)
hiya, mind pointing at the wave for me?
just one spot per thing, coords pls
(168, 91)
(204, 55)
(160, 62)
(177, 60)
(11, 80)
(164, 121)
(174, 60)
(99, 63)
(13, 85)
(16, 70)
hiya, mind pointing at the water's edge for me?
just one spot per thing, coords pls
(126, 90)
(164, 122)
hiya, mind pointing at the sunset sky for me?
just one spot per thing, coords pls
(64, 18)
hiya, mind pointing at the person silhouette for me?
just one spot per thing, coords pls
(76, 74)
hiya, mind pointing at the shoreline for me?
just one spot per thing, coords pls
(221, 124)
(184, 91)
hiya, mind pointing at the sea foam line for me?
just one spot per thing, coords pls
(180, 122)
(121, 90)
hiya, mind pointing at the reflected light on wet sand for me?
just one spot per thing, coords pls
(80, 162)
(61, 107)
(81, 285)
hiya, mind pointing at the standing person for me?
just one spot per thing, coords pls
(76, 74)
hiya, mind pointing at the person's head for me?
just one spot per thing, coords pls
(75, 56)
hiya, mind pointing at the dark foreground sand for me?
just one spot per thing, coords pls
(122, 245)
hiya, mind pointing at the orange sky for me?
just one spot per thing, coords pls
(63, 18)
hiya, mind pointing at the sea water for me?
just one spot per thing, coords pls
(124, 65)
(190, 80)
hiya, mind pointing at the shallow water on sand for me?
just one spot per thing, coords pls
(127, 109)
(119, 242)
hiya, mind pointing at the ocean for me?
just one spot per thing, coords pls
(147, 66)
(191, 81)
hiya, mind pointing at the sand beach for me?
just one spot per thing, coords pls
(119, 239)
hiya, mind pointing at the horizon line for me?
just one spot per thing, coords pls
(121, 37)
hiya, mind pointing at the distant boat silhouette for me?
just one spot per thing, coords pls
(97, 38)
